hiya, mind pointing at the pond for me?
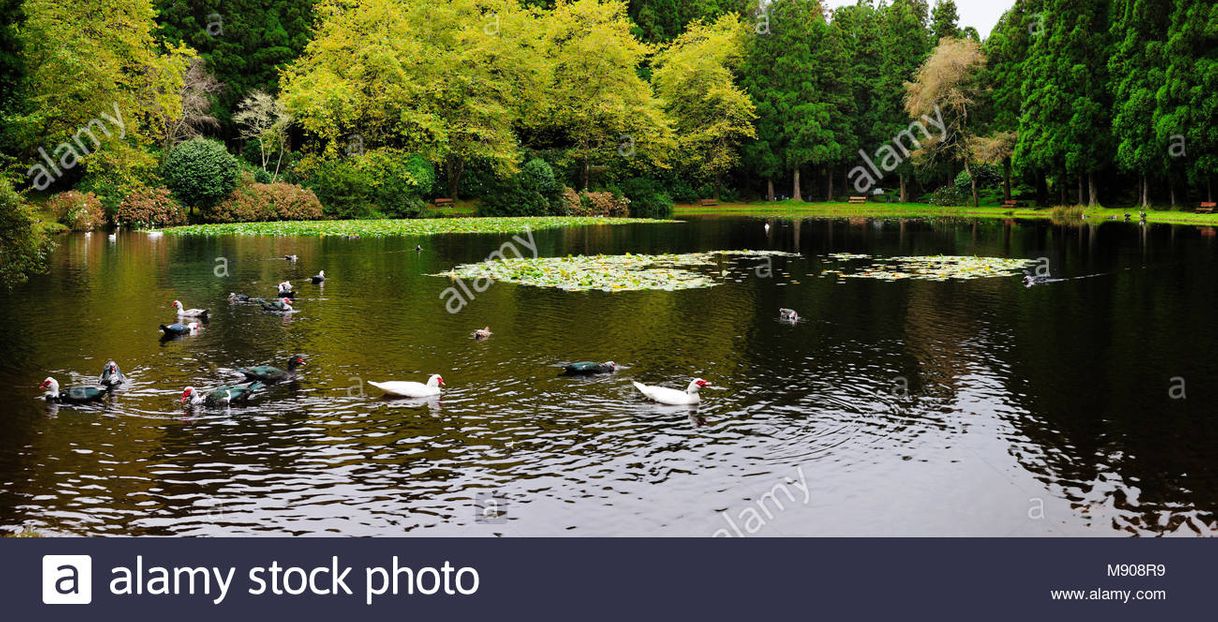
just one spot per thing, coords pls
(1084, 405)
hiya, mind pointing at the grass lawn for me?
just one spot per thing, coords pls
(793, 209)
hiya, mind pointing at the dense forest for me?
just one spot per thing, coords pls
(375, 106)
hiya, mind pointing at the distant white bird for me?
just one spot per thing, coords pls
(673, 397)
(788, 315)
(401, 388)
(767, 227)
(182, 312)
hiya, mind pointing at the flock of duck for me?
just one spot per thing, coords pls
(258, 377)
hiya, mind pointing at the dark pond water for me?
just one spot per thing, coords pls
(1083, 406)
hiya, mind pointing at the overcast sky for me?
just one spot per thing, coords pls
(980, 14)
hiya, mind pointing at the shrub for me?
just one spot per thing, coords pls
(23, 246)
(380, 182)
(594, 204)
(988, 176)
(531, 192)
(200, 172)
(150, 207)
(259, 202)
(647, 198)
(949, 196)
(79, 211)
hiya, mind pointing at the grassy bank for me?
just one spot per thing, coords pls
(400, 227)
(793, 209)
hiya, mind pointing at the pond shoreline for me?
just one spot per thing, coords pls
(792, 209)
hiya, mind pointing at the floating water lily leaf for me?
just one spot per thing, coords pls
(396, 227)
(933, 268)
(610, 273)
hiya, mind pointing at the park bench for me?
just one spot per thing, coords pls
(442, 202)
(1207, 207)
(858, 199)
(1010, 203)
(708, 201)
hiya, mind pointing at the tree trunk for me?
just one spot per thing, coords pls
(455, 168)
(1145, 192)
(1042, 190)
(1080, 190)
(1093, 191)
(1006, 179)
(1171, 189)
(769, 189)
(972, 180)
(904, 191)
(586, 174)
(830, 184)
(1209, 189)
(795, 194)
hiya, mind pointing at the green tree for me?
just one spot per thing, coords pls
(89, 58)
(244, 42)
(945, 20)
(695, 79)
(658, 21)
(862, 31)
(1187, 105)
(446, 80)
(200, 172)
(793, 72)
(23, 246)
(1006, 51)
(1065, 124)
(597, 98)
(905, 43)
(1137, 66)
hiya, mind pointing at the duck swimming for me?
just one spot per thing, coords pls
(588, 368)
(398, 388)
(482, 333)
(673, 397)
(271, 375)
(221, 396)
(111, 375)
(283, 305)
(183, 312)
(74, 395)
(788, 315)
(319, 278)
(177, 329)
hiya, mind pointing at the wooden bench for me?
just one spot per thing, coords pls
(708, 201)
(441, 202)
(1010, 203)
(858, 199)
(1207, 207)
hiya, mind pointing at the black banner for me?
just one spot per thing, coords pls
(563, 579)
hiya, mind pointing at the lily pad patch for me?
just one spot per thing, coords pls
(616, 273)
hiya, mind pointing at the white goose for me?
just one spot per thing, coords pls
(183, 312)
(664, 395)
(401, 388)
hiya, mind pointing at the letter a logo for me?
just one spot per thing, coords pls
(67, 579)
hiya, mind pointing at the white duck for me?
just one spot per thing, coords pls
(183, 312)
(664, 395)
(399, 388)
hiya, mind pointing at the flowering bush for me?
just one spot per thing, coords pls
(79, 211)
(257, 202)
(150, 207)
(594, 204)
